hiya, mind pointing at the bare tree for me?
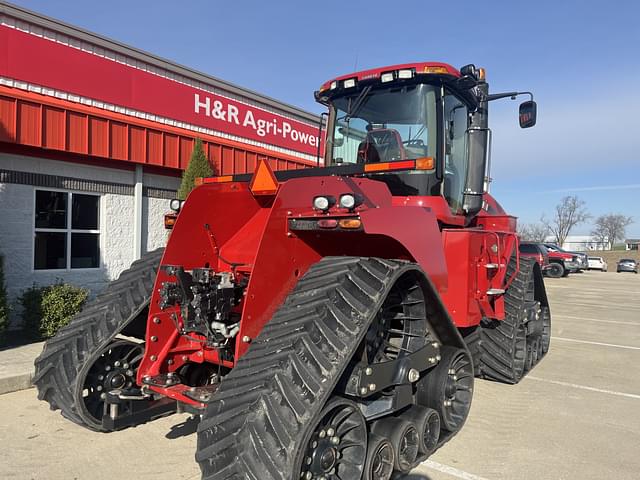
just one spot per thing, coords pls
(571, 211)
(601, 235)
(533, 232)
(611, 227)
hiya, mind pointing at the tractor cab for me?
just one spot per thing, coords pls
(429, 113)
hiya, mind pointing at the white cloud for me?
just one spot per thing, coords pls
(594, 188)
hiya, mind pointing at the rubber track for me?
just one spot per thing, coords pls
(256, 422)
(493, 346)
(89, 331)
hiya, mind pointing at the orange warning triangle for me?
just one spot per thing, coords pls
(263, 182)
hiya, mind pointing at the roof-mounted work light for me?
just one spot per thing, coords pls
(349, 83)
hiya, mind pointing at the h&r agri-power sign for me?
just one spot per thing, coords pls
(32, 59)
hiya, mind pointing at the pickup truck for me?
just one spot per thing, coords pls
(562, 264)
(582, 259)
(554, 264)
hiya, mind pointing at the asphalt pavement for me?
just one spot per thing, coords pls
(576, 416)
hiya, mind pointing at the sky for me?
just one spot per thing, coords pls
(579, 58)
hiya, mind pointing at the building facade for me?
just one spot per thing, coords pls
(632, 244)
(581, 243)
(94, 135)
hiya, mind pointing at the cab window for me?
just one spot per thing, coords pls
(385, 125)
(456, 118)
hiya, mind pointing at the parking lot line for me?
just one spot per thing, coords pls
(572, 317)
(627, 347)
(584, 387)
(454, 472)
(602, 305)
(594, 290)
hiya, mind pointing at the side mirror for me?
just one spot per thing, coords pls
(469, 70)
(528, 114)
(468, 77)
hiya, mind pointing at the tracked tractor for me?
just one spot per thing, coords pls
(324, 323)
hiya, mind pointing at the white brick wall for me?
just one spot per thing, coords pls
(153, 210)
(117, 240)
(116, 225)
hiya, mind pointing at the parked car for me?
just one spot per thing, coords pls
(597, 263)
(536, 251)
(582, 259)
(627, 265)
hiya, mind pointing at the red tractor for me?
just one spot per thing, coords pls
(323, 323)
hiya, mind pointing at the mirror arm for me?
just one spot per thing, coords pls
(512, 95)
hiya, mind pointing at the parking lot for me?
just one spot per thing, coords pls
(576, 416)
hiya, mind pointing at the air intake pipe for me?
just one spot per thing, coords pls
(477, 151)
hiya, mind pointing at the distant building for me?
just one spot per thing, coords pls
(632, 244)
(579, 243)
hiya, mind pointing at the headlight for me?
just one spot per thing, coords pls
(175, 204)
(350, 200)
(323, 202)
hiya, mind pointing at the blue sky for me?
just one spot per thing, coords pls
(580, 59)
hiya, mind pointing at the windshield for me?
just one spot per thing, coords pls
(386, 125)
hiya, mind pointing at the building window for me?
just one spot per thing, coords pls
(67, 232)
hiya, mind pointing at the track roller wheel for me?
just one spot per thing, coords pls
(448, 388)
(380, 459)
(337, 447)
(113, 367)
(403, 435)
(427, 421)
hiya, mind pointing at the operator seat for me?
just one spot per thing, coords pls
(381, 145)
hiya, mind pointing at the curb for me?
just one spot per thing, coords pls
(15, 383)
